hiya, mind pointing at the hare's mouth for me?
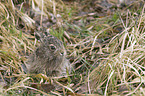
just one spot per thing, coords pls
(58, 53)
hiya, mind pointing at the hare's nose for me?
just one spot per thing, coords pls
(61, 53)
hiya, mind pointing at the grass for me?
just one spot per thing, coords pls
(107, 53)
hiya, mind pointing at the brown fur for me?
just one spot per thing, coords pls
(49, 57)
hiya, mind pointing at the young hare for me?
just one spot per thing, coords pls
(49, 58)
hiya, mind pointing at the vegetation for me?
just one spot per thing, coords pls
(105, 47)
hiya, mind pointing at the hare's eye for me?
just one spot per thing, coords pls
(52, 47)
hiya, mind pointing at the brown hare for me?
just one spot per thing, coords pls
(49, 58)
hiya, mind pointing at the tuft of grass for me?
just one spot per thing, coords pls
(14, 46)
(125, 62)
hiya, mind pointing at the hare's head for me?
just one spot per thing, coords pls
(52, 47)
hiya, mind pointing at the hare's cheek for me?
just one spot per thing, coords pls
(40, 53)
(37, 52)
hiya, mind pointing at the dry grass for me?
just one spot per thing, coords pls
(105, 61)
(126, 60)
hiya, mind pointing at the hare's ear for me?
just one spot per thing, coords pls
(47, 33)
(41, 35)
(37, 35)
